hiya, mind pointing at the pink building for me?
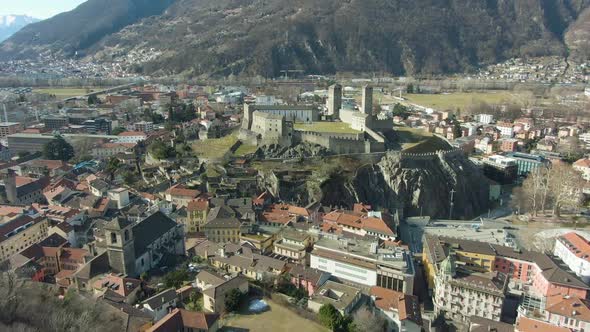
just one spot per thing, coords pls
(308, 279)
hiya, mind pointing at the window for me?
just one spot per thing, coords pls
(113, 237)
(126, 235)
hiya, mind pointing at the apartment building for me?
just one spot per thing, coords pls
(20, 233)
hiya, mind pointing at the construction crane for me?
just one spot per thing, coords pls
(400, 92)
(287, 71)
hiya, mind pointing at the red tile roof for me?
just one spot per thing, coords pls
(525, 324)
(197, 205)
(576, 244)
(407, 306)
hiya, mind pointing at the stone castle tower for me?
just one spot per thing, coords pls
(120, 245)
(10, 187)
(335, 100)
(367, 106)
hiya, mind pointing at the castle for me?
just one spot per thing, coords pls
(274, 124)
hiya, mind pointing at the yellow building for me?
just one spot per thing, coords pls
(261, 241)
(20, 233)
(197, 212)
(470, 255)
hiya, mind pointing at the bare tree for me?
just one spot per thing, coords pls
(566, 187)
(366, 320)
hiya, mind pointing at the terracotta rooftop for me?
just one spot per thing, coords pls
(576, 244)
(572, 307)
(407, 306)
(525, 324)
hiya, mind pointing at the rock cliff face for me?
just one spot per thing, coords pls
(423, 184)
(410, 184)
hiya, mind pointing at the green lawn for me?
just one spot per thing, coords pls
(214, 148)
(66, 92)
(418, 141)
(278, 318)
(327, 127)
(453, 101)
(245, 149)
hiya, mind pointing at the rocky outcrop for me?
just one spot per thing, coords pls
(423, 184)
(303, 150)
(406, 184)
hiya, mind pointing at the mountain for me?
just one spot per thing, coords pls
(263, 37)
(79, 29)
(10, 24)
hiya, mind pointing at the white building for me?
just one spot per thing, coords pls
(484, 118)
(574, 250)
(364, 263)
(131, 137)
(119, 196)
(402, 311)
(506, 129)
(160, 304)
(463, 295)
(144, 126)
(583, 166)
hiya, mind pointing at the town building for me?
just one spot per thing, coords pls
(308, 279)
(460, 295)
(197, 212)
(20, 233)
(364, 263)
(180, 195)
(160, 304)
(527, 162)
(501, 169)
(574, 250)
(222, 225)
(293, 245)
(401, 310)
(9, 128)
(143, 126)
(131, 137)
(215, 295)
(583, 166)
(343, 297)
(134, 248)
(181, 320)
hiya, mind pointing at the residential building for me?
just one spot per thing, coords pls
(109, 150)
(583, 166)
(506, 129)
(143, 126)
(574, 250)
(307, 278)
(180, 195)
(460, 295)
(343, 297)
(484, 118)
(508, 144)
(127, 288)
(20, 233)
(239, 259)
(160, 304)
(222, 225)
(197, 211)
(214, 296)
(362, 223)
(526, 324)
(23, 142)
(42, 167)
(401, 310)
(570, 312)
(293, 244)
(22, 190)
(9, 128)
(180, 320)
(131, 137)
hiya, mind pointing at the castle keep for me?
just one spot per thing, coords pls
(274, 124)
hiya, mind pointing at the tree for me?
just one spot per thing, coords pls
(112, 167)
(58, 149)
(93, 99)
(566, 186)
(365, 320)
(117, 131)
(329, 316)
(233, 300)
(175, 279)
(559, 186)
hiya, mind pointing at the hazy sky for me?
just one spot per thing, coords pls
(37, 8)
